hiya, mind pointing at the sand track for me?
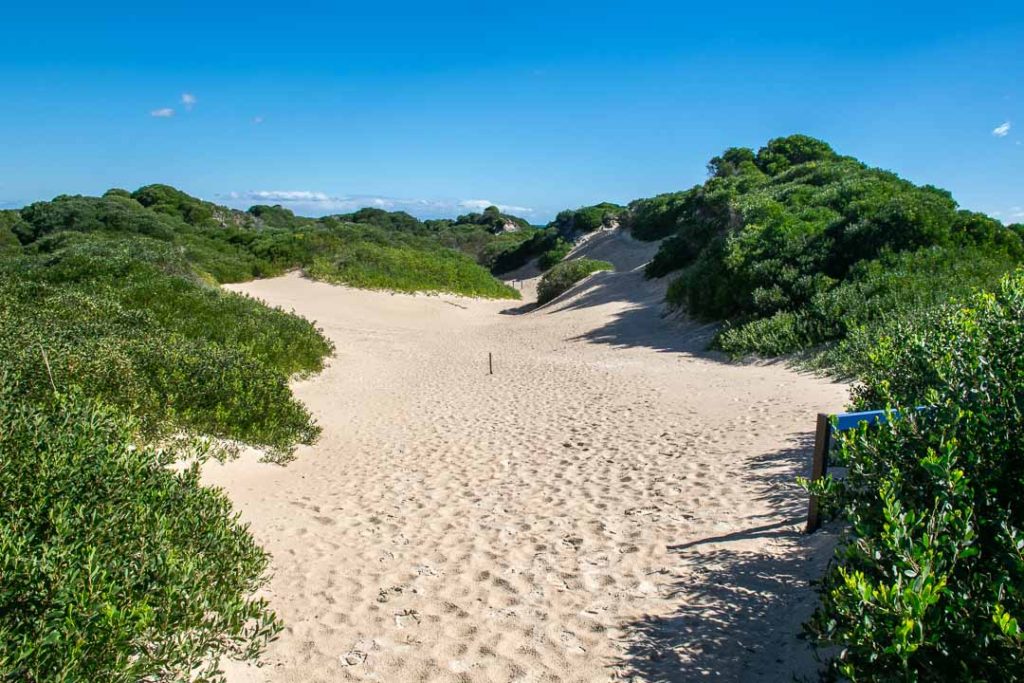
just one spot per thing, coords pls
(612, 504)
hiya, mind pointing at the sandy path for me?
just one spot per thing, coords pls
(611, 504)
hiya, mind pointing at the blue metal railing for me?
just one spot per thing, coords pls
(833, 424)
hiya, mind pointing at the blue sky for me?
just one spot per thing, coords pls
(436, 108)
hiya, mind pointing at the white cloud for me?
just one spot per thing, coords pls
(283, 196)
(476, 204)
(481, 204)
(322, 203)
(257, 120)
(1002, 130)
(164, 113)
(189, 100)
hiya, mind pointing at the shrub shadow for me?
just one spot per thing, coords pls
(740, 607)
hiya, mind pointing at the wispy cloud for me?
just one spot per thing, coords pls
(1014, 214)
(282, 196)
(481, 204)
(164, 113)
(189, 100)
(1002, 130)
(257, 120)
(323, 203)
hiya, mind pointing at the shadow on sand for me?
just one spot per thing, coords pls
(726, 591)
(643, 320)
(519, 310)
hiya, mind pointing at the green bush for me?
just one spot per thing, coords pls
(9, 242)
(519, 254)
(493, 219)
(491, 251)
(554, 255)
(164, 199)
(114, 566)
(850, 315)
(128, 321)
(405, 269)
(572, 222)
(799, 232)
(565, 274)
(391, 220)
(233, 246)
(929, 583)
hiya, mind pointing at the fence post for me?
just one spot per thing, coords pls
(822, 442)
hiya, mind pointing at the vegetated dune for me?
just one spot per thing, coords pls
(612, 503)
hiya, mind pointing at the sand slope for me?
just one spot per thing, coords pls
(611, 504)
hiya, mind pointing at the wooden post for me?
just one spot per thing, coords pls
(822, 442)
(490, 364)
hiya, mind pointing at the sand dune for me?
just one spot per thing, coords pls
(612, 504)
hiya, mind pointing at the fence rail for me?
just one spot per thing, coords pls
(827, 426)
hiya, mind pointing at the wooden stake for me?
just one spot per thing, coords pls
(49, 372)
(490, 363)
(819, 466)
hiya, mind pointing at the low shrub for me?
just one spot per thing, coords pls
(553, 256)
(9, 242)
(129, 322)
(573, 222)
(850, 316)
(564, 275)
(929, 583)
(401, 268)
(114, 566)
(518, 255)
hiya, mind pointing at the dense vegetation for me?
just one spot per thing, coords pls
(111, 339)
(574, 222)
(929, 585)
(564, 275)
(385, 264)
(798, 247)
(114, 566)
(131, 323)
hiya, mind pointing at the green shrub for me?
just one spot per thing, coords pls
(565, 274)
(114, 566)
(799, 232)
(554, 255)
(654, 218)
(130, 322)
(164, 199)
(494, 252)
(896, 288)
(929, 583)
(390, 220)
(518, 255)
(406, 269)
(226, 245)
(493, 219)
(9, 242)
(572, 222)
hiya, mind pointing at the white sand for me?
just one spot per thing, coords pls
(612, 504)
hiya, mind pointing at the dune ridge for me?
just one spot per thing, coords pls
(614, 503)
